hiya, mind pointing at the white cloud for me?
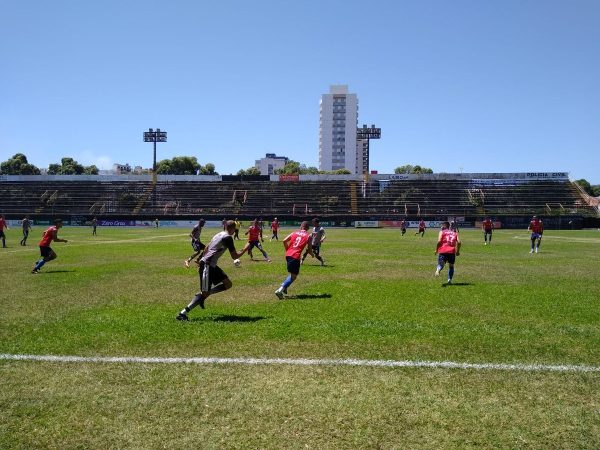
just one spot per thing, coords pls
(88, 158)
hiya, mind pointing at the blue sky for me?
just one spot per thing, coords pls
(471, 86)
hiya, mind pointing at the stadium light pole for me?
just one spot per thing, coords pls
(155, 136)
(367, 134)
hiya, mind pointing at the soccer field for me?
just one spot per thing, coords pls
(306, 371)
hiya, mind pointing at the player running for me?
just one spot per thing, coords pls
(294, 244)
(487, 226)
(51, 234)
(403, 226)
(447, 249)
(421, 228)
(255, 237)
(210, 273)
(537, 230)
(316, 239)
(195, 242)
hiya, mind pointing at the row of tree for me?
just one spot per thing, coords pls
(18, 165)
(179, 165)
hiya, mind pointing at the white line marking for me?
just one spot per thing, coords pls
(307, 362)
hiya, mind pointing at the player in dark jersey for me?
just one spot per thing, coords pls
(294, 244)
(94, 226)
(195, 242)
(316, 239)
(421, 228)
(488, 227)
(537, 230)
(212, 278)
(51, 234)
(26, 225)
(447, 249)
(403, 227)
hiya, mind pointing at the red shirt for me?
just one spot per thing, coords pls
(448, 239)
(536, 226)
(254, 233)
(2, 224)
(274, 226)
(488, 224)
(422, 225)
(49, 235)
(298, 240)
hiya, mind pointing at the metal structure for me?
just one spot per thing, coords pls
(366, 134)
(155, 136)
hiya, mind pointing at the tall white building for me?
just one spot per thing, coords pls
(338, 148)
(270, 163)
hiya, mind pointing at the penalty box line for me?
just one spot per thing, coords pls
(306, 362)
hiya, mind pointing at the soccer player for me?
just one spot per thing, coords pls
(195, 242)
(26, 225)
(403, 226)
(421, 228)
(255, 237)
(94, 226)
(238, 225)
(316, 239)
(3, 225)
(210, 273)
(274, 229)
(156, 222)
(294, 244)
(447, 249)
(51, 234)
(487, 226)
(537, 230)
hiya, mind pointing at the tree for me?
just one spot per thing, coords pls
(184, 165)
(585, 185)
(408, 168)
(208, 169)
(18, 165)
(68, 166)
(249, 171)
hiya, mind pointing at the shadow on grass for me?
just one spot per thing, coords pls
(228, 318)
(456, 284)
(306, 296)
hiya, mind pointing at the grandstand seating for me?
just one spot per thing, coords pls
(326, 198)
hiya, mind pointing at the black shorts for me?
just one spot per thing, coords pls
(446, 258)
(487, 231)
(209, 276)
(316, 250)
(197, 245)
(255, 244)
(293, 265)
(45, 251)
(2, 234)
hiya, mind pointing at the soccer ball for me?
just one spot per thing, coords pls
(237, 262)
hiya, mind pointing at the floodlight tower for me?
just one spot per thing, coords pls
(366, 134)
(155, 136)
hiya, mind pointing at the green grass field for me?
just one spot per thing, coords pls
(117, 294)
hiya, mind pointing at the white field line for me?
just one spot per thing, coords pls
(564, 238)
(79, 243)
(305, 362)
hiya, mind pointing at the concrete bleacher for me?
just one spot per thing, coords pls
(352, 197)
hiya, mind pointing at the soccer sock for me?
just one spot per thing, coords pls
(439, 267)
(192, 304)
(450, 273)
(288, 281)
(40, 263)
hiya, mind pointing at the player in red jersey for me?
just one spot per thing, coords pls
(255, 237)
(274, 229)
(294, 244)
(447, 249)
(537, 230)
(403, 226)
(3, 225)
(487, 226)
(421, 228)
(51, 234)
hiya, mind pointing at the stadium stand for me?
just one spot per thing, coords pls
(344, 197)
